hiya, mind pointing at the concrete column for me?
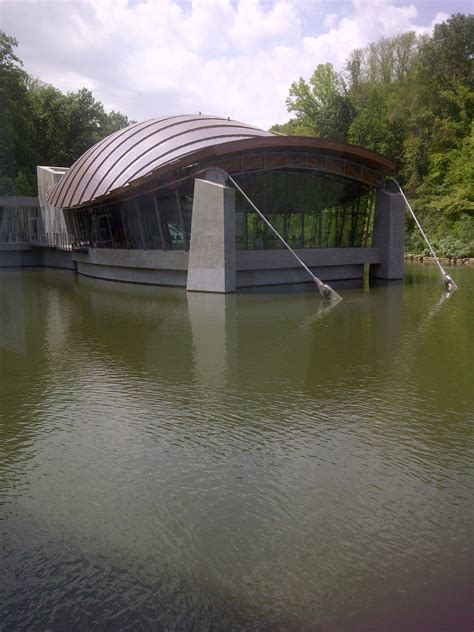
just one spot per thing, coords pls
(212, 252)
(388, 236)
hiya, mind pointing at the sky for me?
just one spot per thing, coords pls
(236, 58)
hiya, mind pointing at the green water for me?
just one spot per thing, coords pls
(173, 461)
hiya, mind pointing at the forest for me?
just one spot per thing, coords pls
(40, 125)
(408, 97)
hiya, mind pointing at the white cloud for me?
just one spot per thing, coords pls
(441, 16)
(330, 20)
(153, 57)
(254, 28)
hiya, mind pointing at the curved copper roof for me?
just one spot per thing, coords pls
(137, 150)
(158, 147)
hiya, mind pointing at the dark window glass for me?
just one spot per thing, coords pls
(307, 209)
(172, 222)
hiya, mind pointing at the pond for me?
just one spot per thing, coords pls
(257, 461)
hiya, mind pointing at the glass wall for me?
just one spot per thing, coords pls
(147, 222)
(309, 211)
(18, 223)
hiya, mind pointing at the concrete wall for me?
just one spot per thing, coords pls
(273, 267)
(212, 256)
(20, 255)
(14, 255)
(252, 268)
(388, 235)
(51, 258)
(51, 219)
(156, 267)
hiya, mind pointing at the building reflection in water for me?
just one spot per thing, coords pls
(12, 313)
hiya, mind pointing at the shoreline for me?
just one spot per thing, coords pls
(447, 261)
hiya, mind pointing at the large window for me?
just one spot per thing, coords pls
(148, 222)
(307, 209)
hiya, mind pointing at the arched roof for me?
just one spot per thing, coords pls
(156, 148)
(139, 149)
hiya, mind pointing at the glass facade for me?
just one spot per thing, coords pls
(147, 222)
(18, 223)
(308, 209)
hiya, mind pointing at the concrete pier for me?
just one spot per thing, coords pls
(388, 235)
(212, 254)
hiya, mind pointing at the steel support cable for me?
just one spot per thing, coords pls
(447, 280)
(325, 290)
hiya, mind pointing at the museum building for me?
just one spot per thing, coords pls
(152, 203)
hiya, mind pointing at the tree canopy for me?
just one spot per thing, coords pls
(40, 125)
(411, 98)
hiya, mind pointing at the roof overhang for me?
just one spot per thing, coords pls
(263, 154)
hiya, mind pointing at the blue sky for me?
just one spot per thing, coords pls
(236, 58)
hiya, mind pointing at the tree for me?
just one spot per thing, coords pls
(448, 56)
(85, 124)
(294, 127)
(321, 105)
(41, 125)
(14, 127)
(48, 115)
(412, 99)
(113, 122)
(66, 125)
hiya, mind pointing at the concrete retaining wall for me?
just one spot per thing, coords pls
(274, 267)
(21, 255)
(155, 267)
(51, 258)
(14, 255)
(288, 276)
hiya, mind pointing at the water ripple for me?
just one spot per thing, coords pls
(247, 467)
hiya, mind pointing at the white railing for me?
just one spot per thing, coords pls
(60, 241)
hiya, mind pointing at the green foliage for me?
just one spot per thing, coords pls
(25, 184)
(40, 125)
(322, 106)
(454, 248)
(8, 60)
(411, 98)
(294, 127)
(7, 186)
(371, 127)
(447, 57)
(14, 147)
